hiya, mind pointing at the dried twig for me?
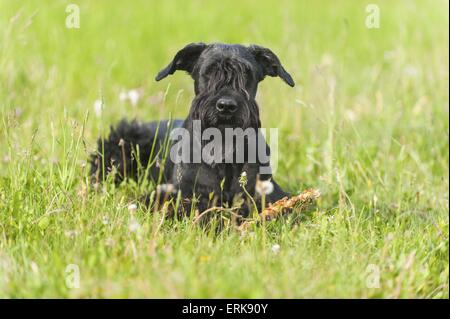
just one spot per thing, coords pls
(284, 206)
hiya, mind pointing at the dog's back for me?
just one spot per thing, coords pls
(131, 148)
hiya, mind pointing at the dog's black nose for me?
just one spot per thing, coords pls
(226, 105)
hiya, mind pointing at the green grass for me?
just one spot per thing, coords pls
(367, 124)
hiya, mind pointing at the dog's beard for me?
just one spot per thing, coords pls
(203, 109)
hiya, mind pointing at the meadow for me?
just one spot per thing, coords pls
(366, 124)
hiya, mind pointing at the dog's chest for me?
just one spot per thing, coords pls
(217, 178)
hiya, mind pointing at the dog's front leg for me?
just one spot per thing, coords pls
(266, 186)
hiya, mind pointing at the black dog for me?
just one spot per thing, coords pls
(226, 78)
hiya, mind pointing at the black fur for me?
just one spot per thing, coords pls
(221, 73)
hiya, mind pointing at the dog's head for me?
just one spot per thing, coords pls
(226, 79)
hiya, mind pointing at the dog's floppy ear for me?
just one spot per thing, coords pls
(185, 60)
(270, 63)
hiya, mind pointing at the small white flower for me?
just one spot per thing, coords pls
(411, 71)
(98, 107)
(132, 208)
(166, 188)
(352, 117)
(276, 248)
(243, 179)
(105, 220)
(71, 234)
(134, 96)
(34, 267)
(264, 187)
(18, 111)
(326, 60)
(133, 225)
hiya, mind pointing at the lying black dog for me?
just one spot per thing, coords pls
(226, 78)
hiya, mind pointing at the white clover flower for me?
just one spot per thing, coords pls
(105, 220)
(411, 71)
(134, 96)
(18, 111)
(276, 248)
(132, 208)
(166, 188)
(34, 267)
(71, 234)
(327, 60)
(351, 116)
